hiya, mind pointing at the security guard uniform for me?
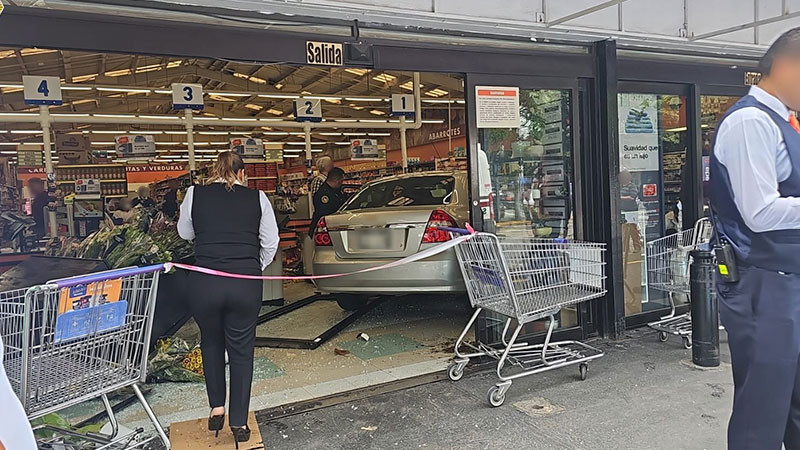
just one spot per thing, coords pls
(760, 311)
(327, 200)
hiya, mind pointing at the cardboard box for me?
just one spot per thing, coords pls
(73, 148)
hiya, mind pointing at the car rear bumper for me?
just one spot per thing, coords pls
(437, 274)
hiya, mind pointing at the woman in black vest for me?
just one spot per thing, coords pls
(234, 230)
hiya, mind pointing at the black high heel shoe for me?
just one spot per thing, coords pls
(215, 423)
(240, 434)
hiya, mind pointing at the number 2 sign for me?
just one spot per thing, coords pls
(41, 90)
(308, 110)
(187, 96)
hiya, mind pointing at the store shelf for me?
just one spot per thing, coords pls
(262, 178)
(102, 181)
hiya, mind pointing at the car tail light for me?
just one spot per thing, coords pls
(321, 236)
(438, 218)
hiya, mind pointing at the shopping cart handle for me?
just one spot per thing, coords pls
(107, 275)
(455, 230)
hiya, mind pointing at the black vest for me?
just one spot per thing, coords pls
(772, 250)
(226, 225)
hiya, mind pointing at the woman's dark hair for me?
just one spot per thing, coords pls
(788, 42)
(225, 168)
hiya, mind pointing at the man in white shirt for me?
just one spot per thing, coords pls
(755, 197)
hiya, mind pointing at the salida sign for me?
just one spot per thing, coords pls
(324, 53)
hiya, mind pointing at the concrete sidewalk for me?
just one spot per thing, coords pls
(642, 395)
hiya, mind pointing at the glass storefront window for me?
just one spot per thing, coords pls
(653, 140)
(531, 173)
(712, 108)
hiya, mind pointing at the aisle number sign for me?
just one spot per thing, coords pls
(187, 96)
(403, 105)
(497, 107)
(41, 90)
(308, 109)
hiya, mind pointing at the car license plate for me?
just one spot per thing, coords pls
(374, 240)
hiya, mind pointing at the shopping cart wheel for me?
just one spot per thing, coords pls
(497, 396)
(583, 368)
(455, 371)
(662, 336)
(687, 343)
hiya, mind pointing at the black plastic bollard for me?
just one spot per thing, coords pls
(705, 311)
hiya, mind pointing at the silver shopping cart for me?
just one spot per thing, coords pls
(524, 280)
(78, 339)
(668, 263)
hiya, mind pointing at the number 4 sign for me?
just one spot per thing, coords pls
(41, 90)
(187, 96)
(308, 110)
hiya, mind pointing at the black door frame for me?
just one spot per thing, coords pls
(586, 311)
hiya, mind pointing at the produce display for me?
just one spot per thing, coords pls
(145, 241)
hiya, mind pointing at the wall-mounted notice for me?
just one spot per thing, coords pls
(497, 107)
(638, 132)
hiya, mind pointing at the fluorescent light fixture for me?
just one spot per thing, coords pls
(271, 119)
(104, 143)
(279, 95)
(246, 119)
(15, 86)
(128, 90)
(116, 116)
(214, 133)
(379, 134)
(285, 155)
(676, 129)
(25, 131)
(440, 100)
(316, 150)
(365, 99)
(326, 133)
(170, 143)
(303, 143)
(297, 133)
(76, 88)
(275, 133)
(109, 132)
(343, 143)
(9, 144)
(19, 114)
(345, 120)
(69, 114)
(174, 132)
(354, 134)
(162, 91)
(142, 116)
(372, 120)
(206, 118)
(293, 150)
(229, 94)
(460, 102)
(377, 112)
(322, 97)
(432, 121)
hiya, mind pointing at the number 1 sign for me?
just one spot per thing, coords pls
(41, 90)
(403, 105)
(308, 110)
(187, 96)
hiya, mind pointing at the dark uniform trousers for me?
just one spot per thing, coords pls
(761, 314)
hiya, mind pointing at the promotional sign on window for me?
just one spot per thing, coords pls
(497, 107)
(364, 149)
(248, 147)
(638, 132)
(135, 146)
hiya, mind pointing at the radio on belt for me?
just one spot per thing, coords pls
(726, 262)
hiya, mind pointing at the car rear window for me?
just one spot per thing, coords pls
(414, 191)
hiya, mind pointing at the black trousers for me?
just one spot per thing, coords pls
(226, 311)
(761, 314)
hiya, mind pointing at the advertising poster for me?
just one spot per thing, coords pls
(73, 148)
(91, 308)
(364, 149)
(497, 107)
(132, 146)
(248, 147)
(638, 132)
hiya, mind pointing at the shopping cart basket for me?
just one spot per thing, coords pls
(80, 338)
(668, 263)
(524, 280)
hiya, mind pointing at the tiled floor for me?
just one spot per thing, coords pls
(408, 337)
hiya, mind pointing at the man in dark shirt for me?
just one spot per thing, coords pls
(143, 198)
(39, 200)
(329, 197)
(170, 205)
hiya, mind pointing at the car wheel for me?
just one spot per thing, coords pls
(350, 302)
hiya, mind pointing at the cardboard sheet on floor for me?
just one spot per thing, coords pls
(194, 435)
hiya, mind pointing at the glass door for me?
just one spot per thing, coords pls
(654, 183)
(529, 176)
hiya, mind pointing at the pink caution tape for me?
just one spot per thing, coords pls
(427, 253)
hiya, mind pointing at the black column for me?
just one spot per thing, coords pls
(692, 200)
(600, 169)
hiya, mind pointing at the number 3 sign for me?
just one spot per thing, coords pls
(41, 90)
(187, 96)
(308, 110)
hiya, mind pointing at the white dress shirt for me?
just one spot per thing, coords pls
(751, 147)
(15, 430)
(267, 230)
